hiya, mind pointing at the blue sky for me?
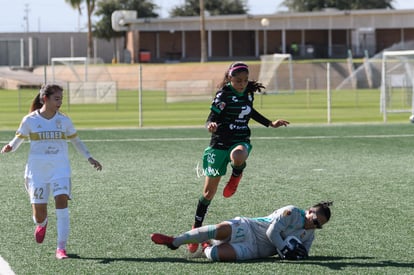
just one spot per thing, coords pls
(58, 16)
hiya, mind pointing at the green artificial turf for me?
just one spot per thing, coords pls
(149, 184)
(301, 107)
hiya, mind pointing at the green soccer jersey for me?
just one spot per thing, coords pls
(232, 111)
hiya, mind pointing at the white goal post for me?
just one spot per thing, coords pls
(272, 77)
(397, 76)
(87, 80)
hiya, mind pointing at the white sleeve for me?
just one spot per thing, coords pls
(15, 143)
(275, 229)
(308, 243)
(80, 146)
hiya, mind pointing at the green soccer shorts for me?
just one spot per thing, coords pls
(215, 161)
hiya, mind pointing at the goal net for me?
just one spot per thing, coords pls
(397, 87)
(86, 80)
(188, 90)
(276, 73)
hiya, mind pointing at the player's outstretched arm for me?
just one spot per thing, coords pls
(12, 145)
(278, 123)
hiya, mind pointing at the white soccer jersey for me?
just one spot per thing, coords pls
(48, 143)
(266, 234)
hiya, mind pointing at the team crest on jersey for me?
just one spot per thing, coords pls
(287, 213)
(58, 124)
(221, 105)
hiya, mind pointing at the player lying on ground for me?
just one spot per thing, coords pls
(288, 231)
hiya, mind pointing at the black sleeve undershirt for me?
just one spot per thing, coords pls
(260, 118)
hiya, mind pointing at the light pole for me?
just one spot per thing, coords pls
(26, 17)
(265, 23)
(202, 33)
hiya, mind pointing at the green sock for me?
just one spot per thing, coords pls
(237, 170)
(201, 211)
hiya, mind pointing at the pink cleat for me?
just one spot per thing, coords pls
(40, 233)
(61, 254)
(164, 240)
(231, 186)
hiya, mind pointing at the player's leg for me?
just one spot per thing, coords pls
(238, 157)
(40, 213)
(209, 190)
(40, 219)
(236, 242)
(62, 225)
(62, 195)
(214, 165)
(221, 231)
(239, 243)
(39, 193)
(222, 252)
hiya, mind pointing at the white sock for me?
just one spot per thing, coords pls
(196, 235)
(63, 227)
(211, 253)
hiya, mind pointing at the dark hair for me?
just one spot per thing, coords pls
(323, 209)
(46, 90)
(233, 70)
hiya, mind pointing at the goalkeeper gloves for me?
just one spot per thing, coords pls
(298, 252)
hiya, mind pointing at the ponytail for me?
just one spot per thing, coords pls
(36, 104)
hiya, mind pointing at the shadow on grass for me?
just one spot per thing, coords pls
(334, 263)
(339, 263)
(148, 260)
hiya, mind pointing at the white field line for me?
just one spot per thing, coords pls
(5, 267)
(253, 138)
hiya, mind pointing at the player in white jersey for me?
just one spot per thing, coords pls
(288, 231)
(48, 168)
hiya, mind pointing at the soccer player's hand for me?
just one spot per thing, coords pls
(212, 127)
(278, 123)
(301, 252)
(6, 148)
(95, 164)
(298, 253)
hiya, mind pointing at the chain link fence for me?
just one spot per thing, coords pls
(170, 94)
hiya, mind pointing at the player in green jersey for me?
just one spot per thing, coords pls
(228, 123)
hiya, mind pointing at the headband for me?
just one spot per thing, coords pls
(237, 68)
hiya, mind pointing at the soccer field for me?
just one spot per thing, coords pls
(149, 184)
(301, 107)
